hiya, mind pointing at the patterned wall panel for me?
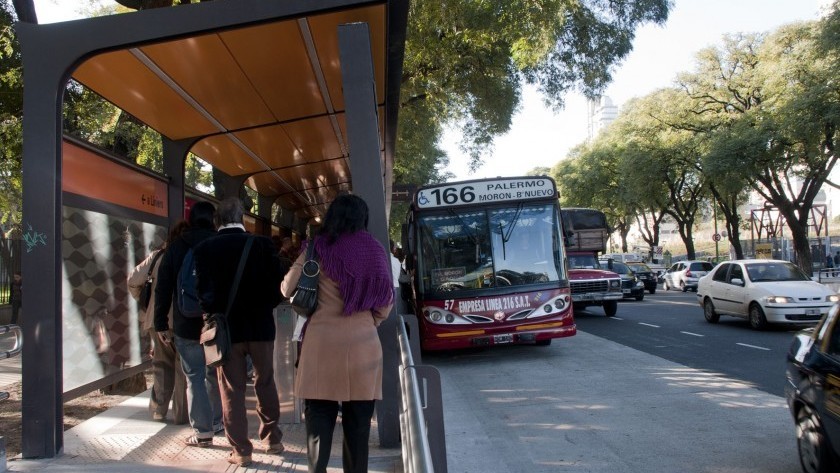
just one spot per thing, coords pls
(100, 318)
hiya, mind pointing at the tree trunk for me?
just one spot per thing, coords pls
(802, 248)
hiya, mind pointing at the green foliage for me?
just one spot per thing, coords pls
(467, 60)
(11, 114)
(759, 112)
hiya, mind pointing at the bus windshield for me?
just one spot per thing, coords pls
(469, 249)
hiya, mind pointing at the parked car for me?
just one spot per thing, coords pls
(644, 274)
(685, 274)
(813, 384)
(631, 286)
(764, 291)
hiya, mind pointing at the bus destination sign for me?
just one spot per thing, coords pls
(486, 191)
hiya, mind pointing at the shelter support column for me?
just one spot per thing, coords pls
(367, 174)
(174, 165)
(43, 370)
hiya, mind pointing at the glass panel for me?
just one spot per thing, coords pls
(524, 245)
(470, 249)
(455, 250)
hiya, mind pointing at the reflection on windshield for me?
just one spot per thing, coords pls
(481, 249)
(583, 262)
(768, 272)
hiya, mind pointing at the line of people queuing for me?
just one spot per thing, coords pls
(340, 364)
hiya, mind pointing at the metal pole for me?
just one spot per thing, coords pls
(717, 237)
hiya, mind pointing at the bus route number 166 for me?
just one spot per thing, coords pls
(448, 196)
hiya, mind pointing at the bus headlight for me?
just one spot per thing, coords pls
(438, 315)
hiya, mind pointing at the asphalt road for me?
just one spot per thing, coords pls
(654, 390)
(671, 325)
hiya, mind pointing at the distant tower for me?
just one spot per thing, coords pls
(601, 113)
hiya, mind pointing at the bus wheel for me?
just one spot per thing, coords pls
(610, 308)
(543, 343)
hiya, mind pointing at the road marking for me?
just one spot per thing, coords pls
(615, 318)
(652, 302)
(693, 334)
(649, 325)
(752, 346)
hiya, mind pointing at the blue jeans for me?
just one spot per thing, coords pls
(204, 402)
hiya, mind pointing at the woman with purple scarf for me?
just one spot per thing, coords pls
(341, 357)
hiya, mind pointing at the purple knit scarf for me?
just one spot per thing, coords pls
(360, 266)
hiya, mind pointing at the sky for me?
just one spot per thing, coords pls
(539, 137)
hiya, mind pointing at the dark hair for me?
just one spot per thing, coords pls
(176, 231)
(201, 215)
(347, 214)
(230, 211)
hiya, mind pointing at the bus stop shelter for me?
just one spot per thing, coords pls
(298, 99)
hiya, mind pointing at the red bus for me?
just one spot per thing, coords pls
(487, 263)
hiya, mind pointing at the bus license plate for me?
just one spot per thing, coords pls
(506, 338)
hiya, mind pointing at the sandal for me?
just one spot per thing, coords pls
(195, 441)
(237, 459)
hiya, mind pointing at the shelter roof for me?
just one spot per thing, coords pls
(262, 101)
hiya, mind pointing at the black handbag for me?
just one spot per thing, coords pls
(215, 335)
(305, 298)
(146, 292)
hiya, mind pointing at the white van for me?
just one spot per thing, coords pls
(621, 257)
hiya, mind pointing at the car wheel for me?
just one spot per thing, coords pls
(757, 319)
(665, 285)
(709, 312)
(682, 286)
(652, 290)
(543, 343)
(641, 296)
(814, 451)
(610, 308)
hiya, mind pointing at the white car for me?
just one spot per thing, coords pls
(685, 274)
(763, 291)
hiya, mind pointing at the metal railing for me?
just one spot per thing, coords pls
(15, 350)
(420, 414)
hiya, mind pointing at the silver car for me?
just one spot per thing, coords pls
(685, 274)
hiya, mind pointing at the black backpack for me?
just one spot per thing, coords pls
(187, 288)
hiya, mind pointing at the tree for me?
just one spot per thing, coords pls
(466, 61)
(11, 133)
(656, 152)
(771, 105)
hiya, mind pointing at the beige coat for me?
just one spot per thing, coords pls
(136, 280)
(341, 357)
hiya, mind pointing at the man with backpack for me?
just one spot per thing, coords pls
(250, 302)
(174, 288)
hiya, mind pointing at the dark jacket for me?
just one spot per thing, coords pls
(170, 264)
(251, 318)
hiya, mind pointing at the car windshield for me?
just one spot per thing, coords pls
(639, 267)
(583, 262)
(768, 272)
(620, 268)
(700, 266)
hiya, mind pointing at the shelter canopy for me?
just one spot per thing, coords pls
(261, 102)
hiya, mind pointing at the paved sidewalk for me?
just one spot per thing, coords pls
(125, 439)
